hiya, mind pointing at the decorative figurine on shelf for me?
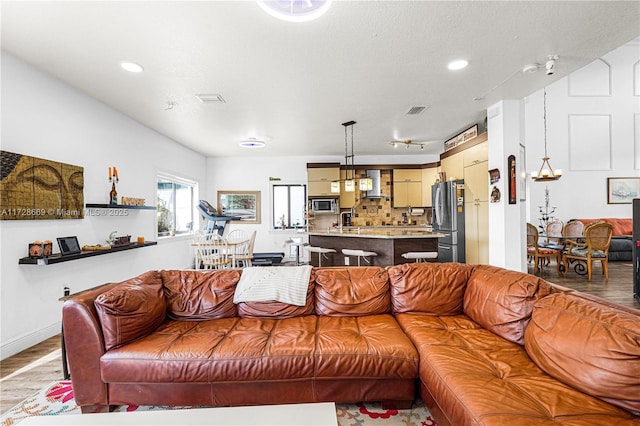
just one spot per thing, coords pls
(111, 239)
(113, 178)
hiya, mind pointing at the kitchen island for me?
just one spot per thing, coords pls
(388, 242)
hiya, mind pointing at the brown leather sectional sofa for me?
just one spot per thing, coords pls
(484, 345)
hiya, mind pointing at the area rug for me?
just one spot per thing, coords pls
(57, 399)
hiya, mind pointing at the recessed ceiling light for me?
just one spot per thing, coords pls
(252, 143)
(131, 66)
(295, 11)
(458, 64)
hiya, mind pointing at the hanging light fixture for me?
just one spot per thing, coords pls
(350, 171)
(546, 172)
(364, 184)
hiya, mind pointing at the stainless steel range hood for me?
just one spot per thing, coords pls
(375, 193)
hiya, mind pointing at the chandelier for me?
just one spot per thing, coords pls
(365, 184)
(546, 172)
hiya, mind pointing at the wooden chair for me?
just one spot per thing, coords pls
(596, 248)
(244, 256)
(573, 228)
(538, 254)
(553, 230)
(212, 252)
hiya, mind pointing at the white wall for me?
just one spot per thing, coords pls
(43, 117)
(592, 134)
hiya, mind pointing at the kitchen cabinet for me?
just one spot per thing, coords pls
(476, 154)
(453, 166)
(407, 188)
(429, 176)
(319, 181)
(477, 232)
(476, 184)
(347, 199)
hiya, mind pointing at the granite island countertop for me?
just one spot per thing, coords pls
(383, 232)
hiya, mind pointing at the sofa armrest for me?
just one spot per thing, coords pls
(622, 237)
(84, 345)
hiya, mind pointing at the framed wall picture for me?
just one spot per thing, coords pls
(622, 190)
(243, 204)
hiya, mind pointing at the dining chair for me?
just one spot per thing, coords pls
(573, 228)
(596, 248)
(538, 254)
(244, 256)
(212, 252)
(553, 230)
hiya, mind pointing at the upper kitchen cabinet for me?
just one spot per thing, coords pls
(347, 199)
(319, 180)
(407, 188)
(429, 176)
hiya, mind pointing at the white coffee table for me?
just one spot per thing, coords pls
(316, 414)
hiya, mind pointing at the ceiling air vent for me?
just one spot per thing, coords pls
(416, 110)
(210, 99)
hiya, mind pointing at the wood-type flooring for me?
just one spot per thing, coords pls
(31, 370)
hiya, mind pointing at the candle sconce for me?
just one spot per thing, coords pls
(546, 213)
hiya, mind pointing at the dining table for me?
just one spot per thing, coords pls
(580, 267)
(216, 244)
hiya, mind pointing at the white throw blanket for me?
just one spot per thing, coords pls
(287, 284)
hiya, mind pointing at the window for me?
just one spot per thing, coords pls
(175, 205)
(289, 205)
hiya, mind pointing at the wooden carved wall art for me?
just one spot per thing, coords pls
(34, 188)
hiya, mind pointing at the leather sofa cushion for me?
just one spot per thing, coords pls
(591, 346)
(428, 288)
(621, 226)
(352, 291)
(254, 349)
(131, 309)
(502, 300)
(276, 309)
(479, 378)
(200, 295)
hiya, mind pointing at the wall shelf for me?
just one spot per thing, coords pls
(58, 258)
(118, 206)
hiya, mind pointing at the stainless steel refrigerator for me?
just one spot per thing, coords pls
(448, 219)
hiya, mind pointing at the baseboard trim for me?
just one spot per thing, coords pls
(25, 342)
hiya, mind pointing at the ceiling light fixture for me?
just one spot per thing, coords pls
(295, 11)
(252, 143)
(546, 172)
(458, 64)
(131, 66)
(365, 184)
(407, 144)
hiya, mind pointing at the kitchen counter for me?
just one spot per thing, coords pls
(389, 242)
(380, 232)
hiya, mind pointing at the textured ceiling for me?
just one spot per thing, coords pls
(293, 84)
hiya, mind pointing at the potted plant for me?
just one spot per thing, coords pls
(283, 222)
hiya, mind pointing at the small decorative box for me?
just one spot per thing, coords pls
(122, 241)
(38, 250)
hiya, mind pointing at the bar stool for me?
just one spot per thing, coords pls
(297, 245)
(360, 254)
(321, 252)
(421, 256)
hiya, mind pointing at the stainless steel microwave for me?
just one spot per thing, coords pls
(324, 205)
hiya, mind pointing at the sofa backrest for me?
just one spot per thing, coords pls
(502, 300)
(352, 291)
(621, 226)
(279, 310)
(200, 295)
(131, 309)
(593, 347)
(428, 288)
